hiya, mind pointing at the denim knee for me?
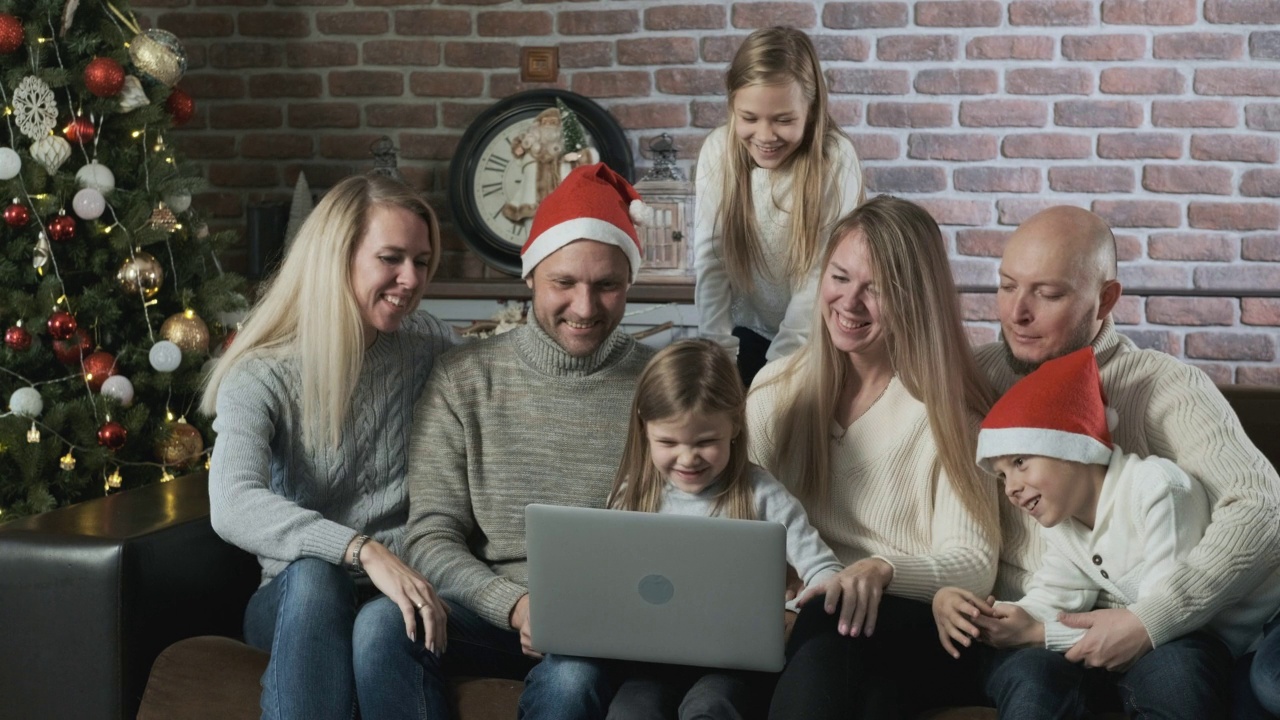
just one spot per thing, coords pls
(567, 687)
(1264, 676)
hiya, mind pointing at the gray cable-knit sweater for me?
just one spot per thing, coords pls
(502, 423)
(274, 498)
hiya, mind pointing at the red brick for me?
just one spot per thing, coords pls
(658, 51)
(282, 85)
(219, 204)
(502, 23)
(1142, 81)
(1010, 47)
(459, 115)
(684, 17)
(1198, 46)
(413, 115)
(240, 55)
(198, 24)
(1051, 146)
(1097, 113)
(1133, 146)
(958, 13)
(682, 81)
(917, 48)
(957, 212)
(1194, 113)
(1268, 375)
(506, 84)
(651, 115)
(1238, 148)
(598, 22)
(324, 115)
(1051, 13)
(399, 53)
(617, 83)
(1128, 247)
(1263, 247)
(1003, 113)
(1165, 342)
(709, 114)
(1092, 179)
(769, 14)
(1242, 12)
(1103, 47)
(997, 180)
(1230, 346)
(1238, 277)
(978, 306)
(1234, 216)
(721, 48)
(1260, 311)
(1128, 311)
(841, 47)
(1191, 246)
(876, 147)
(860, 15)
(1237, 81)
(224, 3)
(1139, 213)
(275, 146)
(1264, 45)
(1048, 81)
(160, 3)
(866, 81)
(240, 174)
(846, 113)
(1191, 311)
(321, 54)
(366, 22)
(1260, 183)
(899, 114)
(273, 24)
(213, 87)
(253, 115)
(955, 147)
(1262, 117)
(208, 147)
(905, 179)
(446, 84)
(1188, 179)
(416, 146)
(1149, 12)
(347, 146)
(954, 81)
(482, 54)
(586, 54)
(1153, 276)
(987, 243)
(1015, 211)
(433, 22)
(366, 83)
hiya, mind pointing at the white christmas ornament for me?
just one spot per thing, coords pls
(34, 108)
(165, 356)
(118, 388)
(51, 151)
(178, 201)
(10, 163)
(26, 402)
(97, 176)
(89, 204)
(132, 96)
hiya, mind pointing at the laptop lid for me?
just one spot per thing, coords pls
(656, 588)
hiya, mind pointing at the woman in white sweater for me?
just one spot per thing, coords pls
(872, 425)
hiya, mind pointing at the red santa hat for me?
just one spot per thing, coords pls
(592, 203)
(1058, 411)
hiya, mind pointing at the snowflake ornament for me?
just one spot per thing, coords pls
(34, 108)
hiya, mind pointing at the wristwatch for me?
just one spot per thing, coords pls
(356, 566)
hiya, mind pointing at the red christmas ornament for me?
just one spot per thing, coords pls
(11, 33)
(103, 77)
(62, 325)
(80, 130)
(17, 338)
(97, 368)
(112, 435)
(180, 106)
(17, 215)
(70, 351)
(62, 228)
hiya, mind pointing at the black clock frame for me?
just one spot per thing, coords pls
(610, 140)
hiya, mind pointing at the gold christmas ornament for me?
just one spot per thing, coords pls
(67, 462)
(180, 445)
(187, 331)
(141, 273)
(158, 54)
(162, 218)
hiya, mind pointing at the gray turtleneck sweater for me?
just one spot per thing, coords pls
(503, 423)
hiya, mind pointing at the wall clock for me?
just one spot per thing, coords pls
(512, 155)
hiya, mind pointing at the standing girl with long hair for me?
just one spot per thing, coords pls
(770, 184)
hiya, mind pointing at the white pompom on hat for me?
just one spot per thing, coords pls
(1058, 411)
(592, 203)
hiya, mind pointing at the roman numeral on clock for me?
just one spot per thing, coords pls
(496, 163)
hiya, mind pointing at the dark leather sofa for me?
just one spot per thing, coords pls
(90, 596)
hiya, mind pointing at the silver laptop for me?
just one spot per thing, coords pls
(656, 588)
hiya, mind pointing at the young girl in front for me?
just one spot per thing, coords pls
(686, 454)
(770, 184)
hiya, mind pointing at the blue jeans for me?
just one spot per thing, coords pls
(1186, 678)
(1256, 685)
(555, 688)
(652, 691)
(330, 653)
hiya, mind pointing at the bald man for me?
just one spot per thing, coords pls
(1057, 290)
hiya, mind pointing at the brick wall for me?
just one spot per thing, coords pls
(1161, 115)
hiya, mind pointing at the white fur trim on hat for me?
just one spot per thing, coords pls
(994, 443)
(642, 214)
(583, 228)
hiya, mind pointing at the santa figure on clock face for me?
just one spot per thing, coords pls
(541, 147)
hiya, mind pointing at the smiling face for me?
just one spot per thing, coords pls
(850, 300)
(771, 121)
(691, 450)
(580, 294)
(389, 268)
(1048, 489)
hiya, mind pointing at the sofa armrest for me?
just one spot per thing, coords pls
(90, 594)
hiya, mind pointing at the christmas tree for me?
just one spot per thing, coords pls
(106, 273)
(571, 129)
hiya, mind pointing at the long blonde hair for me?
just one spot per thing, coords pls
(688, 376)
(926, 343)
(777, 56)
(308, 310)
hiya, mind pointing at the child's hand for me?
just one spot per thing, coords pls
(954, 612)
(1010, 626)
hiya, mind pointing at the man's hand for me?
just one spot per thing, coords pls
(520, 621)
(954, 612)
(1114, 640)
(1010, 626)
